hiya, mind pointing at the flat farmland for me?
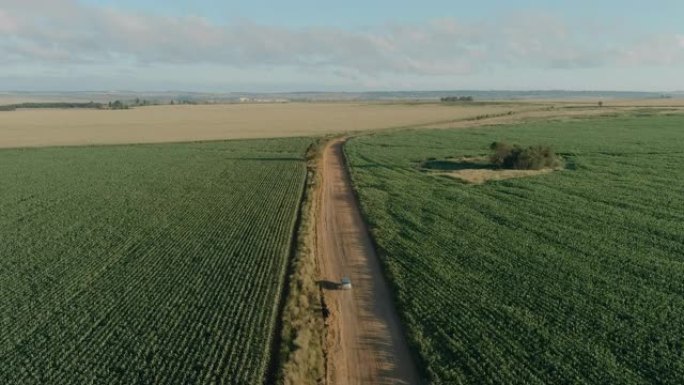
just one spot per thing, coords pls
(145, 264)
(571, 277)
(48, 127)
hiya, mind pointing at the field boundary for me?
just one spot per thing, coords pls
(300, 357)
(271, 374)
(413, 344)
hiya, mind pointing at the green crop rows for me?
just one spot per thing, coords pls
(146, 264)
(574, 277)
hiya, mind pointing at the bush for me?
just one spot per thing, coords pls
(509, 156)
(118, 105)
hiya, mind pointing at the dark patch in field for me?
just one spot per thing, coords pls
(328, 285)
(456, 165)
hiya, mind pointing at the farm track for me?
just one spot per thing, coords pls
(365, 343)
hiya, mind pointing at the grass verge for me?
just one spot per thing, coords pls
(302, 356)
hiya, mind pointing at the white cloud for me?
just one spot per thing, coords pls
(7, 23)
(66, 32)
(665, 50)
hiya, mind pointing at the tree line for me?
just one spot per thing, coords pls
(453, 99)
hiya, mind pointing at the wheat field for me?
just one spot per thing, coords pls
(49, 127)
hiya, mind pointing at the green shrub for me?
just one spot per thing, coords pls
(509, 156)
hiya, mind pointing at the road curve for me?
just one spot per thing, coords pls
(365, 342)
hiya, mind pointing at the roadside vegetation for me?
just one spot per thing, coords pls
(569, 277)
(145, 264)
(302, 358)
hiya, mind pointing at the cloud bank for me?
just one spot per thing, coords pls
(66, 32)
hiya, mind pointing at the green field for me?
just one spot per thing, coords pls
(144, 264)
(574, 277)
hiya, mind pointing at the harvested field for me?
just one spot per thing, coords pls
(28, 128)
(625, 102)
(567, 111)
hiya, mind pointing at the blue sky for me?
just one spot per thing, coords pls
(355, 13)
(221, 46)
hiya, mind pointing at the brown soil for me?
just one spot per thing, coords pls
(480, 172)
(365, 342)
(480, 176)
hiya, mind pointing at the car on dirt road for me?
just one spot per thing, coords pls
(345, 283)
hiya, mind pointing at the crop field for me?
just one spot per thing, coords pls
(572, 277)
(160, 124)
(145, 264)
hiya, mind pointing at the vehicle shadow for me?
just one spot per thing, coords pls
(328, 285)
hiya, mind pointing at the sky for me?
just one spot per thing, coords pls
(351, 45)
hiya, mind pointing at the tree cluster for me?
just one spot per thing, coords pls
(118, 105)
(453, 99)
(537, 157)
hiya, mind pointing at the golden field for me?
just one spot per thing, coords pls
(49, 127)
(157, 124)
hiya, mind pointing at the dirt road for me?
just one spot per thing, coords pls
(365, 341)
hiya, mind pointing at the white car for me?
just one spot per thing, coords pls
(345, 283)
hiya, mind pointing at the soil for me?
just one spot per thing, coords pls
(480, 176)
